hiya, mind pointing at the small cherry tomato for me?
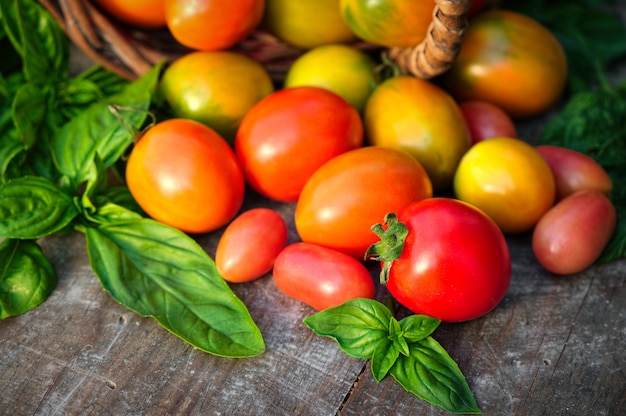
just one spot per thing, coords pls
(321, 277)
(454, 264)
(211, 25)
(486, 121)
(348, 194)
(250, 244)
(571, 236)
(289, 134)
(574, 171)
(184, 174)
(508, 180)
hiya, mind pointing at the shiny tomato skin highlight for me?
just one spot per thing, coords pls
(455, 265)
(347, 195)
(321, 277)
(184, 174)
(288, 135)
(250, 244)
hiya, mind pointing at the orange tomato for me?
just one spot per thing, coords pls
(391, 23)
(140, 13)
(510, 60)
(422, 119)
(212, 24)
(182, 173)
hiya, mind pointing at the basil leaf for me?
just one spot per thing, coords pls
(158, 271)
(30, 106)
(383, 358)
(433, 376)
(26, 277)
(417, 327)
(108, 82)
(99, 129)
(359, 326)
(32, 207)
(38, 38)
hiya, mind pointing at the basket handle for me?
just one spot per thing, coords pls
(436, 53)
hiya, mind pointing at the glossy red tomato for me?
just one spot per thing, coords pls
(288, 135)
(184, 174)
(348, 194)
(321, 277)
(210, 25)
(486, 121)
(455, 264)
(571, 235)
(250, 244)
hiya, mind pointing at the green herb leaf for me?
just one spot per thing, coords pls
(101, 130)
(26, 277)
(417, 327)
(383, 358)
(397, 337)
(158, 271)
(32, 207)
(359, 326)
(30, 107)
(433, 376)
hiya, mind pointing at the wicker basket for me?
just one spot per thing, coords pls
(131, 52)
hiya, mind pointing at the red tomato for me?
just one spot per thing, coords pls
(574, 171)
(184, 174)
(571, 236)
(455, 264)
(288, 135)
(250, 244)
(321, 277)
(348, 194)
(211, 25)
(486, 121)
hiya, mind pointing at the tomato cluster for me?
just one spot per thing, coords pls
(350, 149)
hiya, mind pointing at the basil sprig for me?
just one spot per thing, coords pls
(366, 329)
(59, 138)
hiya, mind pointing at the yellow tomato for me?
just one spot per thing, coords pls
(306, 24)
(216, 88)
(391, 23)
(342, 69)
(509, 180)
(422, 119)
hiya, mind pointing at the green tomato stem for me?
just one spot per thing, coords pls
(390, 246)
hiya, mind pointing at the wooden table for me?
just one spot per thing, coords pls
(554, 346)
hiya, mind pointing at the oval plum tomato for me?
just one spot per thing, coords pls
(184, 174)
(454, 263)
(342, 69)
(250, 244)
(306, 24)
(572, 235)
(510, 60)
(321, 277)
(344, 197)
(216, 88)
(508, 180)
(139, 13)
(391, 23)
(210, 25)
(486, 121)
(574, 171)
(420, 118)
(285, 137)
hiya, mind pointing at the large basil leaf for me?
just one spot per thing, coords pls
(26, 277)
(106, 128)
(158, 271)
(38, 38)
(433, 376)
(30, 106)
(32, 207)
(359, 326)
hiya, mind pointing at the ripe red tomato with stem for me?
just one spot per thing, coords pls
(443, 258)
(250, 244)
(321, 277)
(184, 174)
(288, 135)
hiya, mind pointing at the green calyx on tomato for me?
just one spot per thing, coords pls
(390, 245)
